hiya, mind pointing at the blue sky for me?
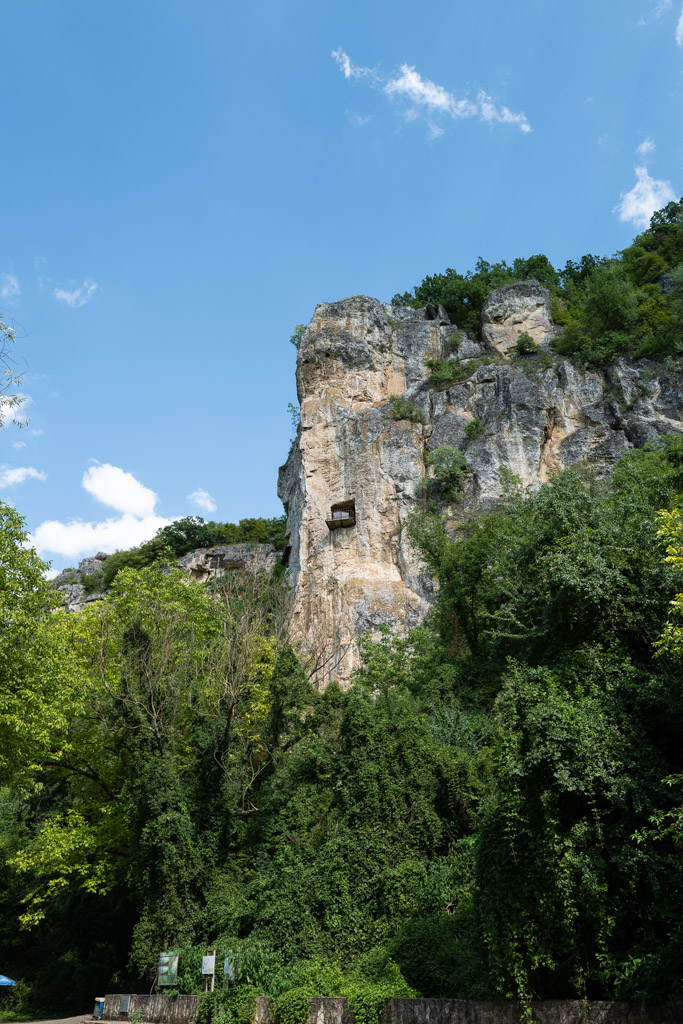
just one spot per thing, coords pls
(184, 181)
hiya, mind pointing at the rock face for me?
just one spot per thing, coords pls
(71, 582)
(534, 415)
(349, 448)
(513, 310)
(212, 563)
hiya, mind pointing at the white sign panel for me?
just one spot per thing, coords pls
(209, 964)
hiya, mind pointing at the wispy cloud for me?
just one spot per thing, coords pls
(203, 500)
(349, 69)
(9, 288)
(78, 296)
(679, 29)
(357, 120)
(119, 490)
(427, 97)
(646, 147)
(491, 113)
(647, 195)
(11, 476)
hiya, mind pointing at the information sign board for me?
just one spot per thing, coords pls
(168, 968)
(209, 964)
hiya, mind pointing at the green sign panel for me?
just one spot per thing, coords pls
(168, 968)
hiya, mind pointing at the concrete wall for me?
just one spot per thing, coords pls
(157, 1009)
(162, 1009)
(551, 1011)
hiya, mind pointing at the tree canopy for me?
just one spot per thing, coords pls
(490, 811)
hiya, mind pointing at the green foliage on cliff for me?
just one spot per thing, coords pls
(630, 304)
(403, 409)
(449, 469)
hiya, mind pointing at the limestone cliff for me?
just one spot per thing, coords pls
(533, 415)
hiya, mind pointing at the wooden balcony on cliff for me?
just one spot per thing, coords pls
(342, 515)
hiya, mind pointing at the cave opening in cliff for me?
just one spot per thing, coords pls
(342, 514)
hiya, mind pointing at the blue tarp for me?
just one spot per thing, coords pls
(4, 980)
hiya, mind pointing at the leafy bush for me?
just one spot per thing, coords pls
(403, 409)
(296, 335)
(454, 341)
(525, 344)
(446, 372)
(474, 429)
(450, 469)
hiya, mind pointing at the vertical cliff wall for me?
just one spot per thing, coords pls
(349, 448)
(534, 417)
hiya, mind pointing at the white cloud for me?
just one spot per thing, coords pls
(647, 146)
(422, 93)
(647, 195)
(428, 97)
(9, 289)
(11, 476)
(662, 7)
(490, 113)
(79, 296)
(19, 444)
(202, 499)
(119, 490)
(679, 30)
(76, 538)
(412, 86)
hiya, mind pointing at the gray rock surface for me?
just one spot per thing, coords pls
(538, 415)
(514, 309)
(212, 563)
(92, 566)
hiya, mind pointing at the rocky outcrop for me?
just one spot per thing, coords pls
(212, 563)
(516, 309)
(529, 416)
(76, 585)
